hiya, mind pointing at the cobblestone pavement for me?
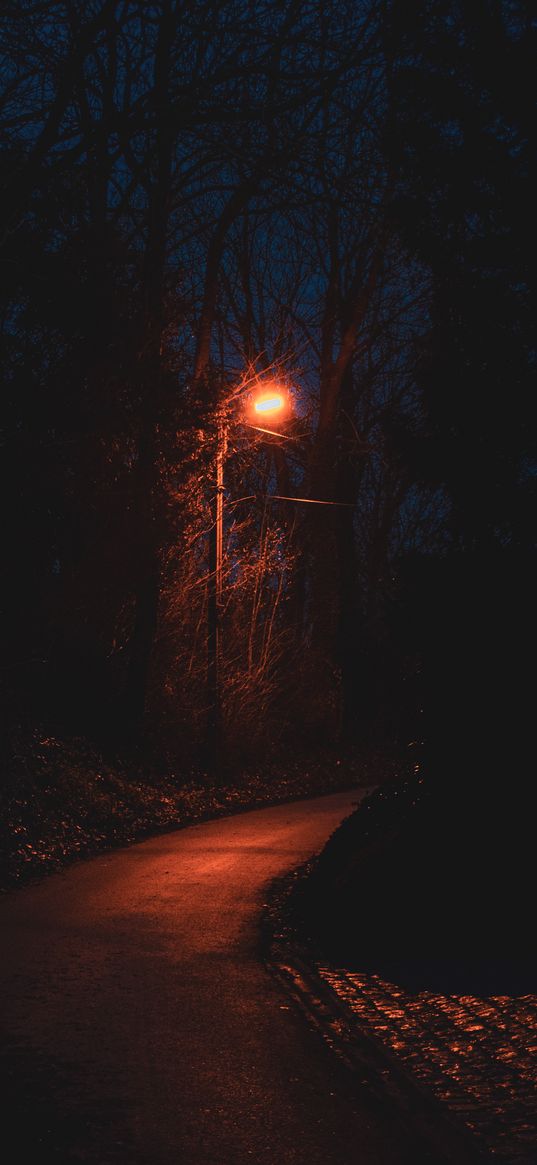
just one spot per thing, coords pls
(478, 1056)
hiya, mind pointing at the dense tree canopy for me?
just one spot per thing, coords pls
(198, 197)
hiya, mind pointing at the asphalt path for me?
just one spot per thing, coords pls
(141, 1025)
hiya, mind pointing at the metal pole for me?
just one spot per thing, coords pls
(214, 724)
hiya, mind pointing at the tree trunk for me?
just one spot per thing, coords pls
(147, 586)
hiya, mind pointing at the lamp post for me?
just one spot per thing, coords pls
(214, 603)
(265, 403)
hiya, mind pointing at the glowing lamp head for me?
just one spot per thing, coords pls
(270, 404)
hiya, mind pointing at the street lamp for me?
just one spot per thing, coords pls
(268, 402)
(273, 403)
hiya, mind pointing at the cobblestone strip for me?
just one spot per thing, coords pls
(477, 1056)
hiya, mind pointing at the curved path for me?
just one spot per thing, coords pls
(141, 1025)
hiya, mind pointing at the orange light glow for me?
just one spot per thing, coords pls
(269, 404)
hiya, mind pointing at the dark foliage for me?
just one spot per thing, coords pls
(432, 881)
(428, 890)
(463, 141)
